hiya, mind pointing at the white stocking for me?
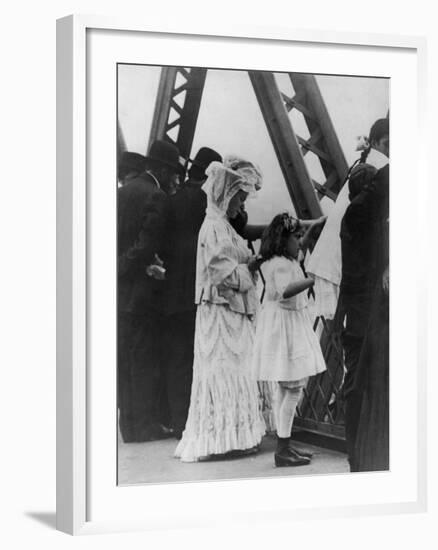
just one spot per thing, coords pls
(286, 401)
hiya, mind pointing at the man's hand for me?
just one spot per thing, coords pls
(156, 270)
(158, 261)
(385, 280)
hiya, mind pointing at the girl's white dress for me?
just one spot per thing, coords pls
(286, 347)
(225, 411)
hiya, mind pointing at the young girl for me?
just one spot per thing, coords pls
(286, 350)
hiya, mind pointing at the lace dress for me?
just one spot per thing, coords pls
(225, 405)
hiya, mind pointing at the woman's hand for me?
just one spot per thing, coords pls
(312, 231)
(254, 263)
(313, 223)
(319, 222)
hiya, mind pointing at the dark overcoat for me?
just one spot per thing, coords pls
(142, 217)
(142, 213)
(364, 237)
(372, 444)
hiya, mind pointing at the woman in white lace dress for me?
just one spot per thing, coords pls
(225, 413)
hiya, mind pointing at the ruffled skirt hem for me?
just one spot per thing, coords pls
(226, 403)
(194, 448)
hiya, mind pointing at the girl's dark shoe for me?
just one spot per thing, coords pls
(284, 456)
(290, 458)
(301, 452)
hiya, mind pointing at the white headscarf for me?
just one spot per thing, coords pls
(226, 179)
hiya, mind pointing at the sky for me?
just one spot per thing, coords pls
(230, 121)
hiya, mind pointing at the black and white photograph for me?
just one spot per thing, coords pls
(252, 274)
(219, 321)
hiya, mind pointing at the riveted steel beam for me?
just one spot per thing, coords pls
(285, 142)
(326, 146)
(185, 108)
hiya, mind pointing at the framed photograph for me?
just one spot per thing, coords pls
(226, 222)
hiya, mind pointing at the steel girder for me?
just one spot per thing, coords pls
(286, 145)
(177, 107)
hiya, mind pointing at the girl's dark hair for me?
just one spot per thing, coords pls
(362, 175)
(378, 130)
(363, 156)
(275, 236)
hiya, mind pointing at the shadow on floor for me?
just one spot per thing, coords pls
(46, 518)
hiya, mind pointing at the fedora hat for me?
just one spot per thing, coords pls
(165, 153)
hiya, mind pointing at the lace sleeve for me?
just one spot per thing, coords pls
(223, 268)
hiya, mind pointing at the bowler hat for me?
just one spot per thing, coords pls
(131, 162)
(164, 153)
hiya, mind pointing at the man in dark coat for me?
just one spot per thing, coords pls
(371, 452)
(361, 242)
(142, 218)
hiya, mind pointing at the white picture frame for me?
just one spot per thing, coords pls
(73, 221)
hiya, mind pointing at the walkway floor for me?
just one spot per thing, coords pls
(153, 462)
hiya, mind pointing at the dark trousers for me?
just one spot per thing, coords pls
(372, 442)
(179, 344)
(138, 375)
(356, 309)
(352, 393)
